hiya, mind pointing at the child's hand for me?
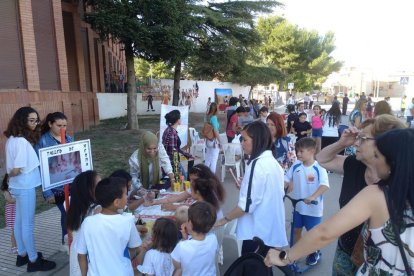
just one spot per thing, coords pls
(184, 231)
(289, 187)
(168, 207)
(309, 200)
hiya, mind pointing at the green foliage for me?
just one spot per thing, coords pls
(302, 56)
(158, 70)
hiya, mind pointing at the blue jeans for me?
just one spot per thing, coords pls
(24, 223)
(62, 219)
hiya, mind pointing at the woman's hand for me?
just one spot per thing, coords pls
(51, 200)
(220, 222)
(168, 207)
(272, 258)
(348, 137)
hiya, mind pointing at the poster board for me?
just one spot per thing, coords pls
(182, 129)
(60, 164)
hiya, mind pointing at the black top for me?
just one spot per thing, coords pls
(345, 100)
(352, 184)
(299, 127)
(291, 117)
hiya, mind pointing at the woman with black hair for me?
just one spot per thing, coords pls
(22, 166)
(170, 138)
(331, 121)
(385, 209)
(260, 211)
(51, 136)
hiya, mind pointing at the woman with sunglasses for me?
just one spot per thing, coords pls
(22, 165)
(385, 209)
(359, 171)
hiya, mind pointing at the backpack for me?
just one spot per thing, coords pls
(208, 131)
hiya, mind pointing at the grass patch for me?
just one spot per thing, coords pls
(112, 146)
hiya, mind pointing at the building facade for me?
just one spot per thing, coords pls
(52, 60)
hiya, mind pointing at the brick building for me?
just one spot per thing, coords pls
(52, 60)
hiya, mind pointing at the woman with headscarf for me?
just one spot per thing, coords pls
(149, 162)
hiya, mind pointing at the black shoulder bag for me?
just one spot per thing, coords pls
(249, 189)
(396, 231)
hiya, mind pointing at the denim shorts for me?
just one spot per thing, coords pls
(316, 132)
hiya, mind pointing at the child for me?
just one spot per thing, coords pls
(10, 211)
(158, 260)
(181, 218)
(103, 237)
(82, 205)
(302, 127)
(198, 255)
(317, 125)
(309, 181)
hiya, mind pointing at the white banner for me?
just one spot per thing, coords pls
(182, 128)
(60, 164)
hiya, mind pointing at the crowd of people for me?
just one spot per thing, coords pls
(374, 226)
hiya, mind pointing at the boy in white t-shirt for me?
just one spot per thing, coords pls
(197, 256)
(104, 237)
(308, 180)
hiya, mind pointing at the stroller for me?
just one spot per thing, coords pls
(252, 264)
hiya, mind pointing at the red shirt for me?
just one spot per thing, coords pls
(232, 122)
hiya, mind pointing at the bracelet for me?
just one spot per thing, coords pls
(227, 219)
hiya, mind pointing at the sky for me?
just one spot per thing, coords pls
(378, 35)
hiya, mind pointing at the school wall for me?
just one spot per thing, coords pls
(198, 105)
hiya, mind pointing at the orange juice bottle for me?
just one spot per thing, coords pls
(187, 185)
(177, 187)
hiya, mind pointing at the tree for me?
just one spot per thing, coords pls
(302, 56)
(157, 70)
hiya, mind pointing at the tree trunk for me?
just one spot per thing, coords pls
(250, 93)
(131, 88)
(177, 78)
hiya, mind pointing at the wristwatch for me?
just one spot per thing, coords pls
(284, 256)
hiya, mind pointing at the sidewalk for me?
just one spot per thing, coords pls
(47, 236)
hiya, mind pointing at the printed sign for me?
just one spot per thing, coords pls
(182, 129)
(60, 164)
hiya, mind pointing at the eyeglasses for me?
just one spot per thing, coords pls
(362, 139)
(33, 120)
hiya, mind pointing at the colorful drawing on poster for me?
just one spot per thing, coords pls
(65, 166)
(60, 164)
(182, 129)
(222, 96)
(158, 91)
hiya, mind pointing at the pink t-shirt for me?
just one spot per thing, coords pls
(233, 121)
(317, 122)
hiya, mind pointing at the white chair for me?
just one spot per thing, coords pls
(232, 158)
(199, 151)
(223, 138)
(230, 241)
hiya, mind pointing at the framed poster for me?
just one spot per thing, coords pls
(60, 164)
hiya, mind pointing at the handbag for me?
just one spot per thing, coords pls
(357, 256)
(396, 231)
(249, 189)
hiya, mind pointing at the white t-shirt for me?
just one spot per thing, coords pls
(104, 238)
(306, 180)
(21, 154)
(329, 130)
(266, 216)
(407, 111)
(197, 257)
(157, 263)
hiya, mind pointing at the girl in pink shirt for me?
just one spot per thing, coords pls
(317, 125)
